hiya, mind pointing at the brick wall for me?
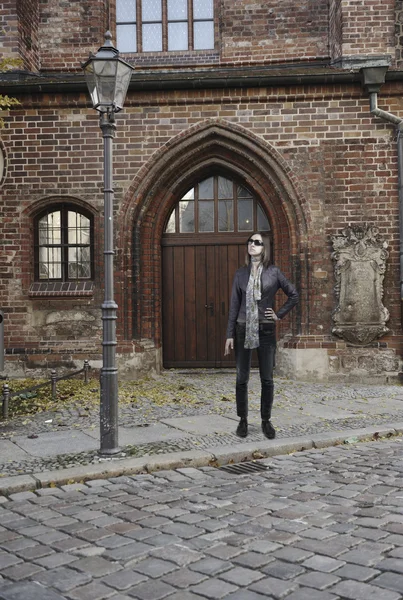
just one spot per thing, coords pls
(335, 29)
(69, 31)
(9, 42)
(365, 27)
(19, 23)
(313, 155)
(399, 33)
(28, 27)
(261, 32)
(340, 162)
(273, 31)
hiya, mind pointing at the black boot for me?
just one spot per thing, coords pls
(242, 429)
(268, 430)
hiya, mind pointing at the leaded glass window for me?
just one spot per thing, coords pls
(164, 25)
(63, 245)
(217, 205)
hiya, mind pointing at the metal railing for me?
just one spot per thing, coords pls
(7, 394)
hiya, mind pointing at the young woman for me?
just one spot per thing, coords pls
(251, 324)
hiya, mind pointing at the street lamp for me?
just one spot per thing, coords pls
(108, 78)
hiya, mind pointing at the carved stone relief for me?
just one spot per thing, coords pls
(360, 263)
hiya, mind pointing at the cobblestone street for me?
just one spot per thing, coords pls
(315, 525)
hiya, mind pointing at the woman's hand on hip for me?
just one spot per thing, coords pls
(229, 345)
(270, 314)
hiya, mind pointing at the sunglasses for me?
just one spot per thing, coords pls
(256, 242)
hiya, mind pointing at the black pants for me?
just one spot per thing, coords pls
(266, 354)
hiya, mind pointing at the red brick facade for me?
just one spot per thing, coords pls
(269, 105)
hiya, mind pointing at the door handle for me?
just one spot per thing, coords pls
(210, 307)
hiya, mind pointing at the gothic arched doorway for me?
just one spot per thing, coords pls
(202, 246)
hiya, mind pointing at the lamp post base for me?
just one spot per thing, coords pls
(109, 452)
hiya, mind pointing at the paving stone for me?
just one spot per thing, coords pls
(184, 578)
(246, 595)
(323, 563)
(182, 595)
(240, 576)
(63, 579)
(264, 546)
(7, 536)
(210, 566)
(311, 594)
(92, 591)
(182, 530)
(350, 571)
(390, 564)
(283, 570)
(319, 581)
(114, 541)
(21, 571)
(123, 580)
(7, 560)
(128, 552)
(315, 533)
(390, 581)
(22, 496)
(52, 444)
(120, 527)
(332, 548)
(271, 586)
(213, 588)
(97, 566)
(192, 473)
(35, 552)
(51, 537)
(153, 567)
(366, 558)
(369, 534)
(292, 554)
(54, 560)
(180, 555)
(396, 540)
(18, 544)
(223, 551)
(151, 590)
(69, 544)
(363, 591)
(191, 518)
(122, 597)
(92, 534)
(88, 551)
(159, 539)
(253, 560)
(28, 591)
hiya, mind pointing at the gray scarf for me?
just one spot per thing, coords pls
(253, 294)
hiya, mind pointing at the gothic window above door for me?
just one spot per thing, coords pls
(217, 205)
(164, 25)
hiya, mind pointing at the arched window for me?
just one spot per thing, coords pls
(217, 205)
(64, 244)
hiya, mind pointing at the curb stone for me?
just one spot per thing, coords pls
(219, 456)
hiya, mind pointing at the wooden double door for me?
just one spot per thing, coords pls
(197, 279)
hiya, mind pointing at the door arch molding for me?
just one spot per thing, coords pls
(214, 145)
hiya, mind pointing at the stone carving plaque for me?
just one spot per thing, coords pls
(360, 263)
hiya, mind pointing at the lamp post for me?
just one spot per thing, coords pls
(108, 78)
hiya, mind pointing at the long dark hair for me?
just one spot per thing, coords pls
(266, 248)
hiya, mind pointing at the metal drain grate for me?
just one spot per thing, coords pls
(244, 468)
